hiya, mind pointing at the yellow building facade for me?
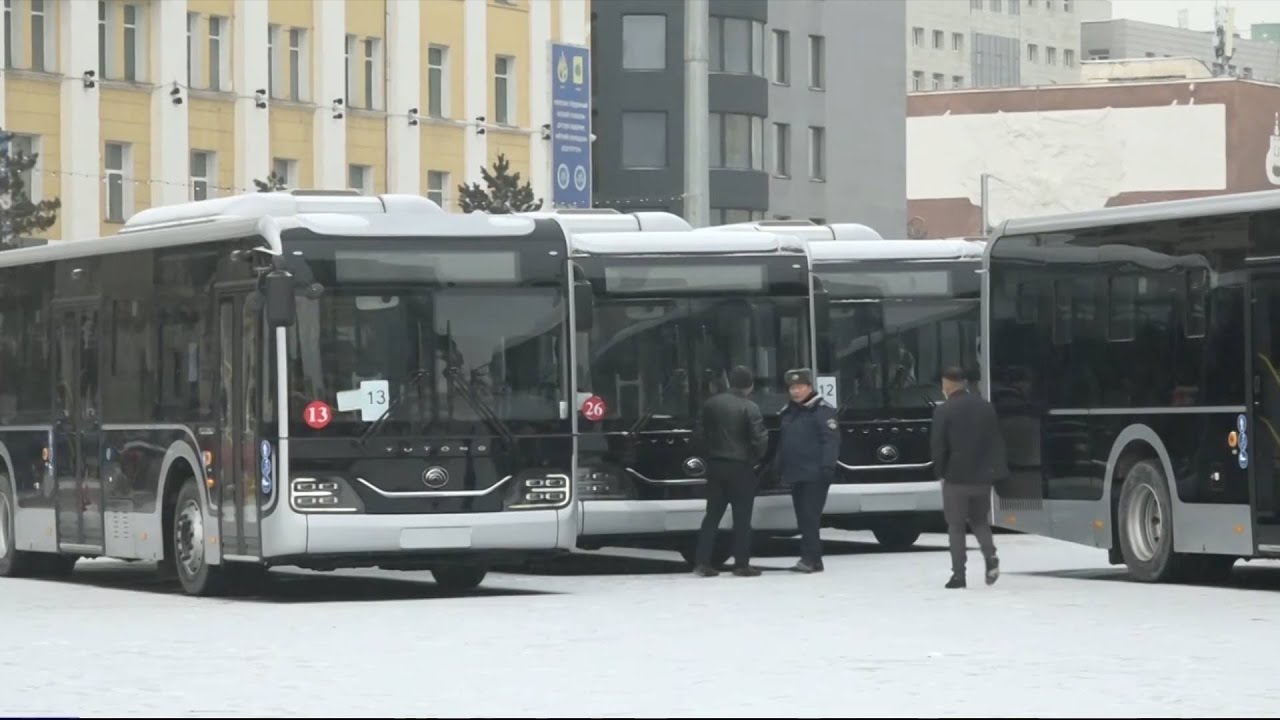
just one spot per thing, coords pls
(187, 99)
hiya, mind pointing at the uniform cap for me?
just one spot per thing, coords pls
(799, 376)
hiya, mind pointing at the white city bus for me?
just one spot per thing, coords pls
(314, 379)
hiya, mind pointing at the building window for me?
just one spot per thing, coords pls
(782, 150)
(939, 81)
(101, 36)
(360, 177)
(193, 25)
(116, 163)
(437, 77)
(817, 62)
(817, 153)
(218, 60)
(8, 33)
(644, 42)
(644, 140)
(1069, 57)
(737, 46)
(297, 36)
(1051, 55)
(939, 40)
(998, 5)
(957, 42)
(736, 141)
(1247, 73)
(975, 4)
(38, 30)
(1015, 8)
(731, 216)
(957, 81)
(20, 146)
(287, 169)
(917, 80)
(372, 74)
(782, 57)
(437, 187)
(917, 36)
(1033, 52)
(132, 39)
(202, 174)
(1066, 5)
(273, 43)
(349, 70)
(504, 87)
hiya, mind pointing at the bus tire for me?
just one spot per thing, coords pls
(13, 562)
(897, 536)
(1145, 515)
(190, 559)
(459, 578)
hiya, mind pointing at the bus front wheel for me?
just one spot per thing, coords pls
(13, 562)
(459, 578)
(190, 559)
(896, 537)
(1145, 516)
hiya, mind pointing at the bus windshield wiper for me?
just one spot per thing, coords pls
(662, 392)
(482, 408)
(378, 424)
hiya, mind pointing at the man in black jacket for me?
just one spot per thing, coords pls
(808, 450)
(730, 432)
(968, 457)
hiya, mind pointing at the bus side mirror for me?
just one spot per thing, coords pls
(277, 289)
(584, 306)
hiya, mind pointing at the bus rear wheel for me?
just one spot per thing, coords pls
(459, 578)
(1145, 513)
(897, 537)
(721, 550)
(13, 563)
(190, 559)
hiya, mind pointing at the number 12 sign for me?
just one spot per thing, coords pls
(827, 390)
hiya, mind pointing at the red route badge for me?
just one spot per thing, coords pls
(317, 415)
(593, 408)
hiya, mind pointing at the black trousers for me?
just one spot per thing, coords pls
(809, 499)
(729, 483)
(967, 505)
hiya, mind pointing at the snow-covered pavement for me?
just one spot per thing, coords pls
(619, 633)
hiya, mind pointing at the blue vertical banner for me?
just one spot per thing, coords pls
(570, 126)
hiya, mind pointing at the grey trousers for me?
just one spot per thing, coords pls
(967, 505)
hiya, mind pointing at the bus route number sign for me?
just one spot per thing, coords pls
(593, 408)
(317, 415)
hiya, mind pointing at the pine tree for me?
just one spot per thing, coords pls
(19, 217)
(273, 183)
(504, 195)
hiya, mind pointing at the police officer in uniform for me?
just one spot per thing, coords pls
(808, 448)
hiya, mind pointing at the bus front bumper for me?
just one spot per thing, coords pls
(906, 497)
(531, 530)
(605, 518)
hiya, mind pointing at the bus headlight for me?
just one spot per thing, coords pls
(323, 494)
(539, 491)
(603, 483)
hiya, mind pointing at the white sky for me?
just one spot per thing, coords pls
(1199, 12)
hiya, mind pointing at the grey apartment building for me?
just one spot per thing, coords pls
(806, 109)
(1130, 39)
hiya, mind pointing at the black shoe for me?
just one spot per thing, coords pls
(956, 582)
(747, 571)
(993, 570)
(819, 567)
(705, 571)
(803, 567)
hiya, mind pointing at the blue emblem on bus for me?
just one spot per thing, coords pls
(1244, 441)
(1241, 424)
(1244, 459)
(266, 448)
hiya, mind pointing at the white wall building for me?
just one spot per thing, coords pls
(996, 43)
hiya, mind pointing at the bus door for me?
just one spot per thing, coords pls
(236, 465)
(1259, 444)
(77, 445)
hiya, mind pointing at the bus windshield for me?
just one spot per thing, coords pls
(447, 349)
(663, 358)
(890, 353)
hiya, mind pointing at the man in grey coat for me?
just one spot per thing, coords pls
(968, 457)
(730, 433)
